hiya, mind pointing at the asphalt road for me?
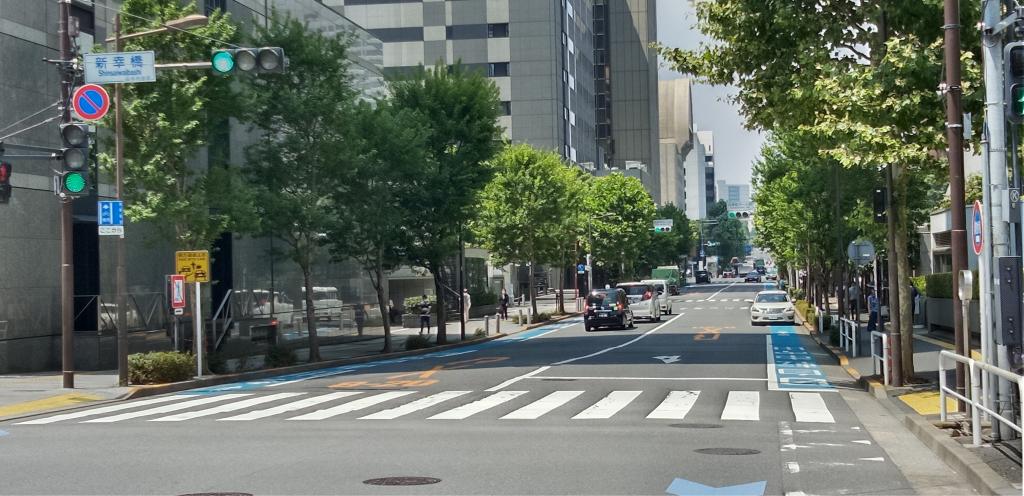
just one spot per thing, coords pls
(701, 400)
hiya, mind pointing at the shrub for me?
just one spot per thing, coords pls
(417, 342)
(941, 285)
(411, 302)
(483, 298)
(921, 283)
(160, 367)
(540, 317)
(479, 334)
(279, 356)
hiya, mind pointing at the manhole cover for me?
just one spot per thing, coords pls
(696, 426)
(216, 494)
(402, 481)
(726, 451)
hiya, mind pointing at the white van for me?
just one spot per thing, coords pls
(662, 286)
(326, 304)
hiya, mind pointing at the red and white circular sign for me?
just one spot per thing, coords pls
(91, 102)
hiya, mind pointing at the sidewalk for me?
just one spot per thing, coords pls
(992, 468)
(22, 394)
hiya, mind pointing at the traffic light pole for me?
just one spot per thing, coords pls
(122, 277)
(66, 246)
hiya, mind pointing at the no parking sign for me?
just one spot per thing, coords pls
(91, 102)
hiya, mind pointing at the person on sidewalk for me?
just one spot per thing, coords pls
(393, 313)
(425, 314)
(466, 303)
(873, 311)
(503, 303)
(360, 318)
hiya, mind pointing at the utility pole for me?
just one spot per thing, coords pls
(954, 138)
(66, 241)
(122, 277)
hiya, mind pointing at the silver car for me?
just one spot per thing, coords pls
(644, 300)
(772, 306)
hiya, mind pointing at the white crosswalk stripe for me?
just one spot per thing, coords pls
(675, 406)
(609, 405)
(738, 405)
(544, 405)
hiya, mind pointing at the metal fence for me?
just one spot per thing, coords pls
(848, 336)
(884, 357)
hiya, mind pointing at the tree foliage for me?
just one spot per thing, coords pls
(668, 248)
(621, 215)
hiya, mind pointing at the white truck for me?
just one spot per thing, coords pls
(326, 304)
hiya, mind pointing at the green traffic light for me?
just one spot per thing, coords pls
(1018, 100)
(223, 62)
(74, 182)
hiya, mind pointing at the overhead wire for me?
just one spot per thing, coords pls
(48, 107)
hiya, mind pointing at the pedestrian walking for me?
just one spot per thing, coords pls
(466, 303)
(503, 303)
(425, 314)
(873, 309)
(393, 312)
(360, 318)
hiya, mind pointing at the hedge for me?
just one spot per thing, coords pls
(160, 367)
(941, 285)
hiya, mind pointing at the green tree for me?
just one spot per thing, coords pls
(304, 159)
(524, 209)
(167, 122)
(621, 216)
(370, 227)
(459, 110)
(668, 248)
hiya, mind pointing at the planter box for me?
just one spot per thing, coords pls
(481, 310)
(939, 314)
(412, 320)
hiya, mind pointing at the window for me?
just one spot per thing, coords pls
(506, 108)
(497, 69)
(497, 30)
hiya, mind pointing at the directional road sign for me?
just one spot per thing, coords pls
(111, 217)
(581, 269)
(861, 251)
(90, 102)
(977, 229)
(193, 265)
(120, 67)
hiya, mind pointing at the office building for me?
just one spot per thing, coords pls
(736, 196)
(675, 116)
(707, 138)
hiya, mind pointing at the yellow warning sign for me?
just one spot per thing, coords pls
(194, 265)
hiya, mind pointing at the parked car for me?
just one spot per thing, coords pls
(752, 276)
(771, 306)
(644, 300)
(607, 308)
(702, 276)
(662, 287)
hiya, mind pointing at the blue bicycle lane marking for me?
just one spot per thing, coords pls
(795, 367)
(345, 369)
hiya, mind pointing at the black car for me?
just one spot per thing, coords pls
(702, 276)
(752, 276)
(607, 308)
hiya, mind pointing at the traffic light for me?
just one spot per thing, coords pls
(5, 182)
(74, 158)
(225, 61)
(732, 215)
(663, 229)
(1013, 81)
(879, 201)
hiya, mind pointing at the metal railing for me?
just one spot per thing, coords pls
(848, 336)
(581, 304)
(884, 357)
(976, 401)
(223, 319)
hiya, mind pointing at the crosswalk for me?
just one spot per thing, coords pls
(739, 406)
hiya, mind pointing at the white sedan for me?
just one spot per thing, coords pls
(772, 306)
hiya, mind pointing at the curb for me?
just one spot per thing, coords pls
(978, 474)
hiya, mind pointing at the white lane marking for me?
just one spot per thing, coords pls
(544, 405)
(105, 409)
(598, 378)
(773, 378)
(675, 406)
(698, 308)
(810, 407)
(623, 345)
(168, 408)
(478, 406)
(873, 459)
(291, 407)
(862, 441)
(230, 407)
(415, 406)
(517, 379)
(609, 405)
(352, 406)
(720, 291)
(742, 405)
(793, 467)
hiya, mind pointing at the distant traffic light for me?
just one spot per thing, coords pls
(74, 158)
(732, 215)
(5, 182)
(1013, 81)
(879, 203)
(663, 229)
(227, 61)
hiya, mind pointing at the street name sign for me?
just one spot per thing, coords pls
(194, 266)
(120, 67)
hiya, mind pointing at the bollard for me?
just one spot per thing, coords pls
(497, 325)
(487, 325)
(521, 318)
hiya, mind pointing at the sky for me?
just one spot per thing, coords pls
(735, 147)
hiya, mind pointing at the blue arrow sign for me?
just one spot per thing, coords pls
(581, 269)
(111, 212)
(683, 487)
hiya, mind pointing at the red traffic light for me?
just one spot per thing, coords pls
(5, 182)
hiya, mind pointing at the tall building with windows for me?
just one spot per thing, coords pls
(707, 138)
(736, 196)
(540, 54)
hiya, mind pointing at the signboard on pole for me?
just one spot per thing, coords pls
(178, 293)
(861, 251)
(977, 229)
(120, 67)
(111, 217)
(581, 269)
(194, 266)
(91, 102)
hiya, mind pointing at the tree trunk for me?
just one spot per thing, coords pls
(442, 311)
(532, 291)
(903, 281)
(561, 292)
(382, 302)
(314, 345)
(895, 202)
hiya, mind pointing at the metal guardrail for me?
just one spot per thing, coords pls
(581, 303)
(848, 336)
(976, 401)
(884, 357)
